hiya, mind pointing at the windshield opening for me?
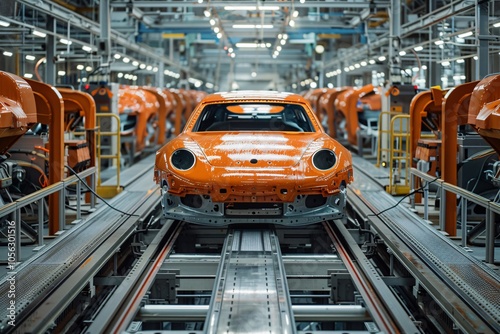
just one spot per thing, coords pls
(253, 117)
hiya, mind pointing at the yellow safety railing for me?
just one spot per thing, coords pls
(108, 191)
(399, 155)
(384, 135)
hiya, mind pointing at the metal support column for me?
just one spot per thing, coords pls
(483, 36)
(50, 68)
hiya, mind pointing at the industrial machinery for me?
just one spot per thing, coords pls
(253, 157)
(356, 115)
(444, 112)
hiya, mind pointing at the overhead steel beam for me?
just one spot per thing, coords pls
(300, 312)
(65, 15)
(437, 15)
(222, 4)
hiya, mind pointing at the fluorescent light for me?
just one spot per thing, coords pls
(61, 73)
(86, 48)
(65, 41)
(402, 53)
(475, 58)
(424, 67)
(418, 48)
(39, 33)
(7, 54)
(30, 57)
(445, 63)
(80, 67)
(88, 68)
(381, 58)
(251, 8)
(252, 26)
(251, 45)
(28, 75)
(496, 25)
(240, 7)
(415, 69)
(439, 42)
(460, 61)
(465, 34)
(302, 1)
(4, 23)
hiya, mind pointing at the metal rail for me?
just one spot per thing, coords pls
(250, 293)
(385, 311)
(466, 196)
(112, 319)
(38, 196)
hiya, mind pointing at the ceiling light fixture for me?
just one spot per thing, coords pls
(207, 13)
(253, 26)
(65, 41)
(87, 48)
(402, 53)
(7, 54)
(30, 57)
(381, 58)
(39, 33)
(439, 42)
(126, 60)
(465, 34)
(292, 23)
(4, 23)
(418, 48)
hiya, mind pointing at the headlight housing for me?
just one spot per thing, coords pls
(324, 159)
(182, 159)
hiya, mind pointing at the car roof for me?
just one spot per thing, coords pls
(254, 95)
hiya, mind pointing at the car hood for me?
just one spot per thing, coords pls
(255, 149)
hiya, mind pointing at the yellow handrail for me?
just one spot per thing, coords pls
(399, 155)
(383, 134)
(108, 191)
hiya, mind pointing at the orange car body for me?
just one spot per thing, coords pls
(144, 106)
(253, 157)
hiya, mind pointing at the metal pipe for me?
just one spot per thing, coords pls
(300, 312)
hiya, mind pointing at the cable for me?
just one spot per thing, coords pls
(405, 196)
(102, 199)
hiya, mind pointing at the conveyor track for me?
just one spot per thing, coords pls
(466, 277)
(250, 293)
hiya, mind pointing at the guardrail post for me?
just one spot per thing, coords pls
(490, 235)
(41, 213)
(78, 201)
(92, 186)
(62, 212)
(463, 222)
(442, 209)
(426, 199)
(412, 189)
(17, 234)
